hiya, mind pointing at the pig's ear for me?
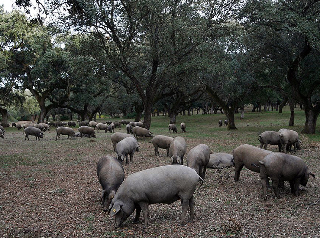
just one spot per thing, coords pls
(114, 209)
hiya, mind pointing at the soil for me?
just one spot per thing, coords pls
(50, 188)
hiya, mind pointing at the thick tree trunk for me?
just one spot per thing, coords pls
(138, 110)
(147, 115)
(173, 117)
(230, 117)
(311, 121)
(4, 114)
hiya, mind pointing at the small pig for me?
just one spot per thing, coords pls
(183, 127)
(34, 132)
(163, 142)
(125, 147)
(198, 158)
(164, 184)
(173, 128)
(65, 131)
(220, 161)
(283, 167)
(178, 148)
(270, 138)
(110, 174)
(248, 156)
(86, 130)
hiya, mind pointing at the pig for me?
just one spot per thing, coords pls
(110, 128)
(1, 134)
(220, 123)
(173, 128)
(220, 161)
(118, 136)
(164, 184)
(163, 142)
(65, 131)
(183, 127)
(101, 126)
(110, 174)
(129, 129)
(34, 132)
(283, 167)
(86, 130)
(93, 124)
(198, 158)
(177, 150)
(289, 138)
(248, 156)
(139, 131)
(270, 138)
(125, 147)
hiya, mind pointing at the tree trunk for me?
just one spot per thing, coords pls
(311, 121)
(173, 118)
(138, 110)
(282, 104)
(291, 121)
(4, 114)
(147, 115)
(230, 117)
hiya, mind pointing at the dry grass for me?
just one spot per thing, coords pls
(49, 188)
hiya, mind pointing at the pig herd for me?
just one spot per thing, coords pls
(165, 184)
(169, 183)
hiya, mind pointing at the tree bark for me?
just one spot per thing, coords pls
(4, 114)
(291, 121)
(311, 121)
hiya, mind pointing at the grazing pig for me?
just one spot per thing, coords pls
(93, 124)
(178, 148)
(198, 158)
(139, 131)
(64, 131)
(173, 128)
(86, 130)
(34, 132)
(163, 142)
(283, 167)
(220, 161)
(183, 127)
(289, 138)
(164, 184)
(101, 126)
(42, 126)
(118, 136)
(110, 128)
(1, 134)
(129, 129)
(110, 174)
(126, 147)
(226, 122)
(270, 138)
(248, 156)
(220, 123)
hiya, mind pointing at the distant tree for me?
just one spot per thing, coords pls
(33, 59)
(293, 38)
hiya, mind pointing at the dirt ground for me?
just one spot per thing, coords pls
(50, 188)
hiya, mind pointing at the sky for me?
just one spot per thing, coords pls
(8, 4)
